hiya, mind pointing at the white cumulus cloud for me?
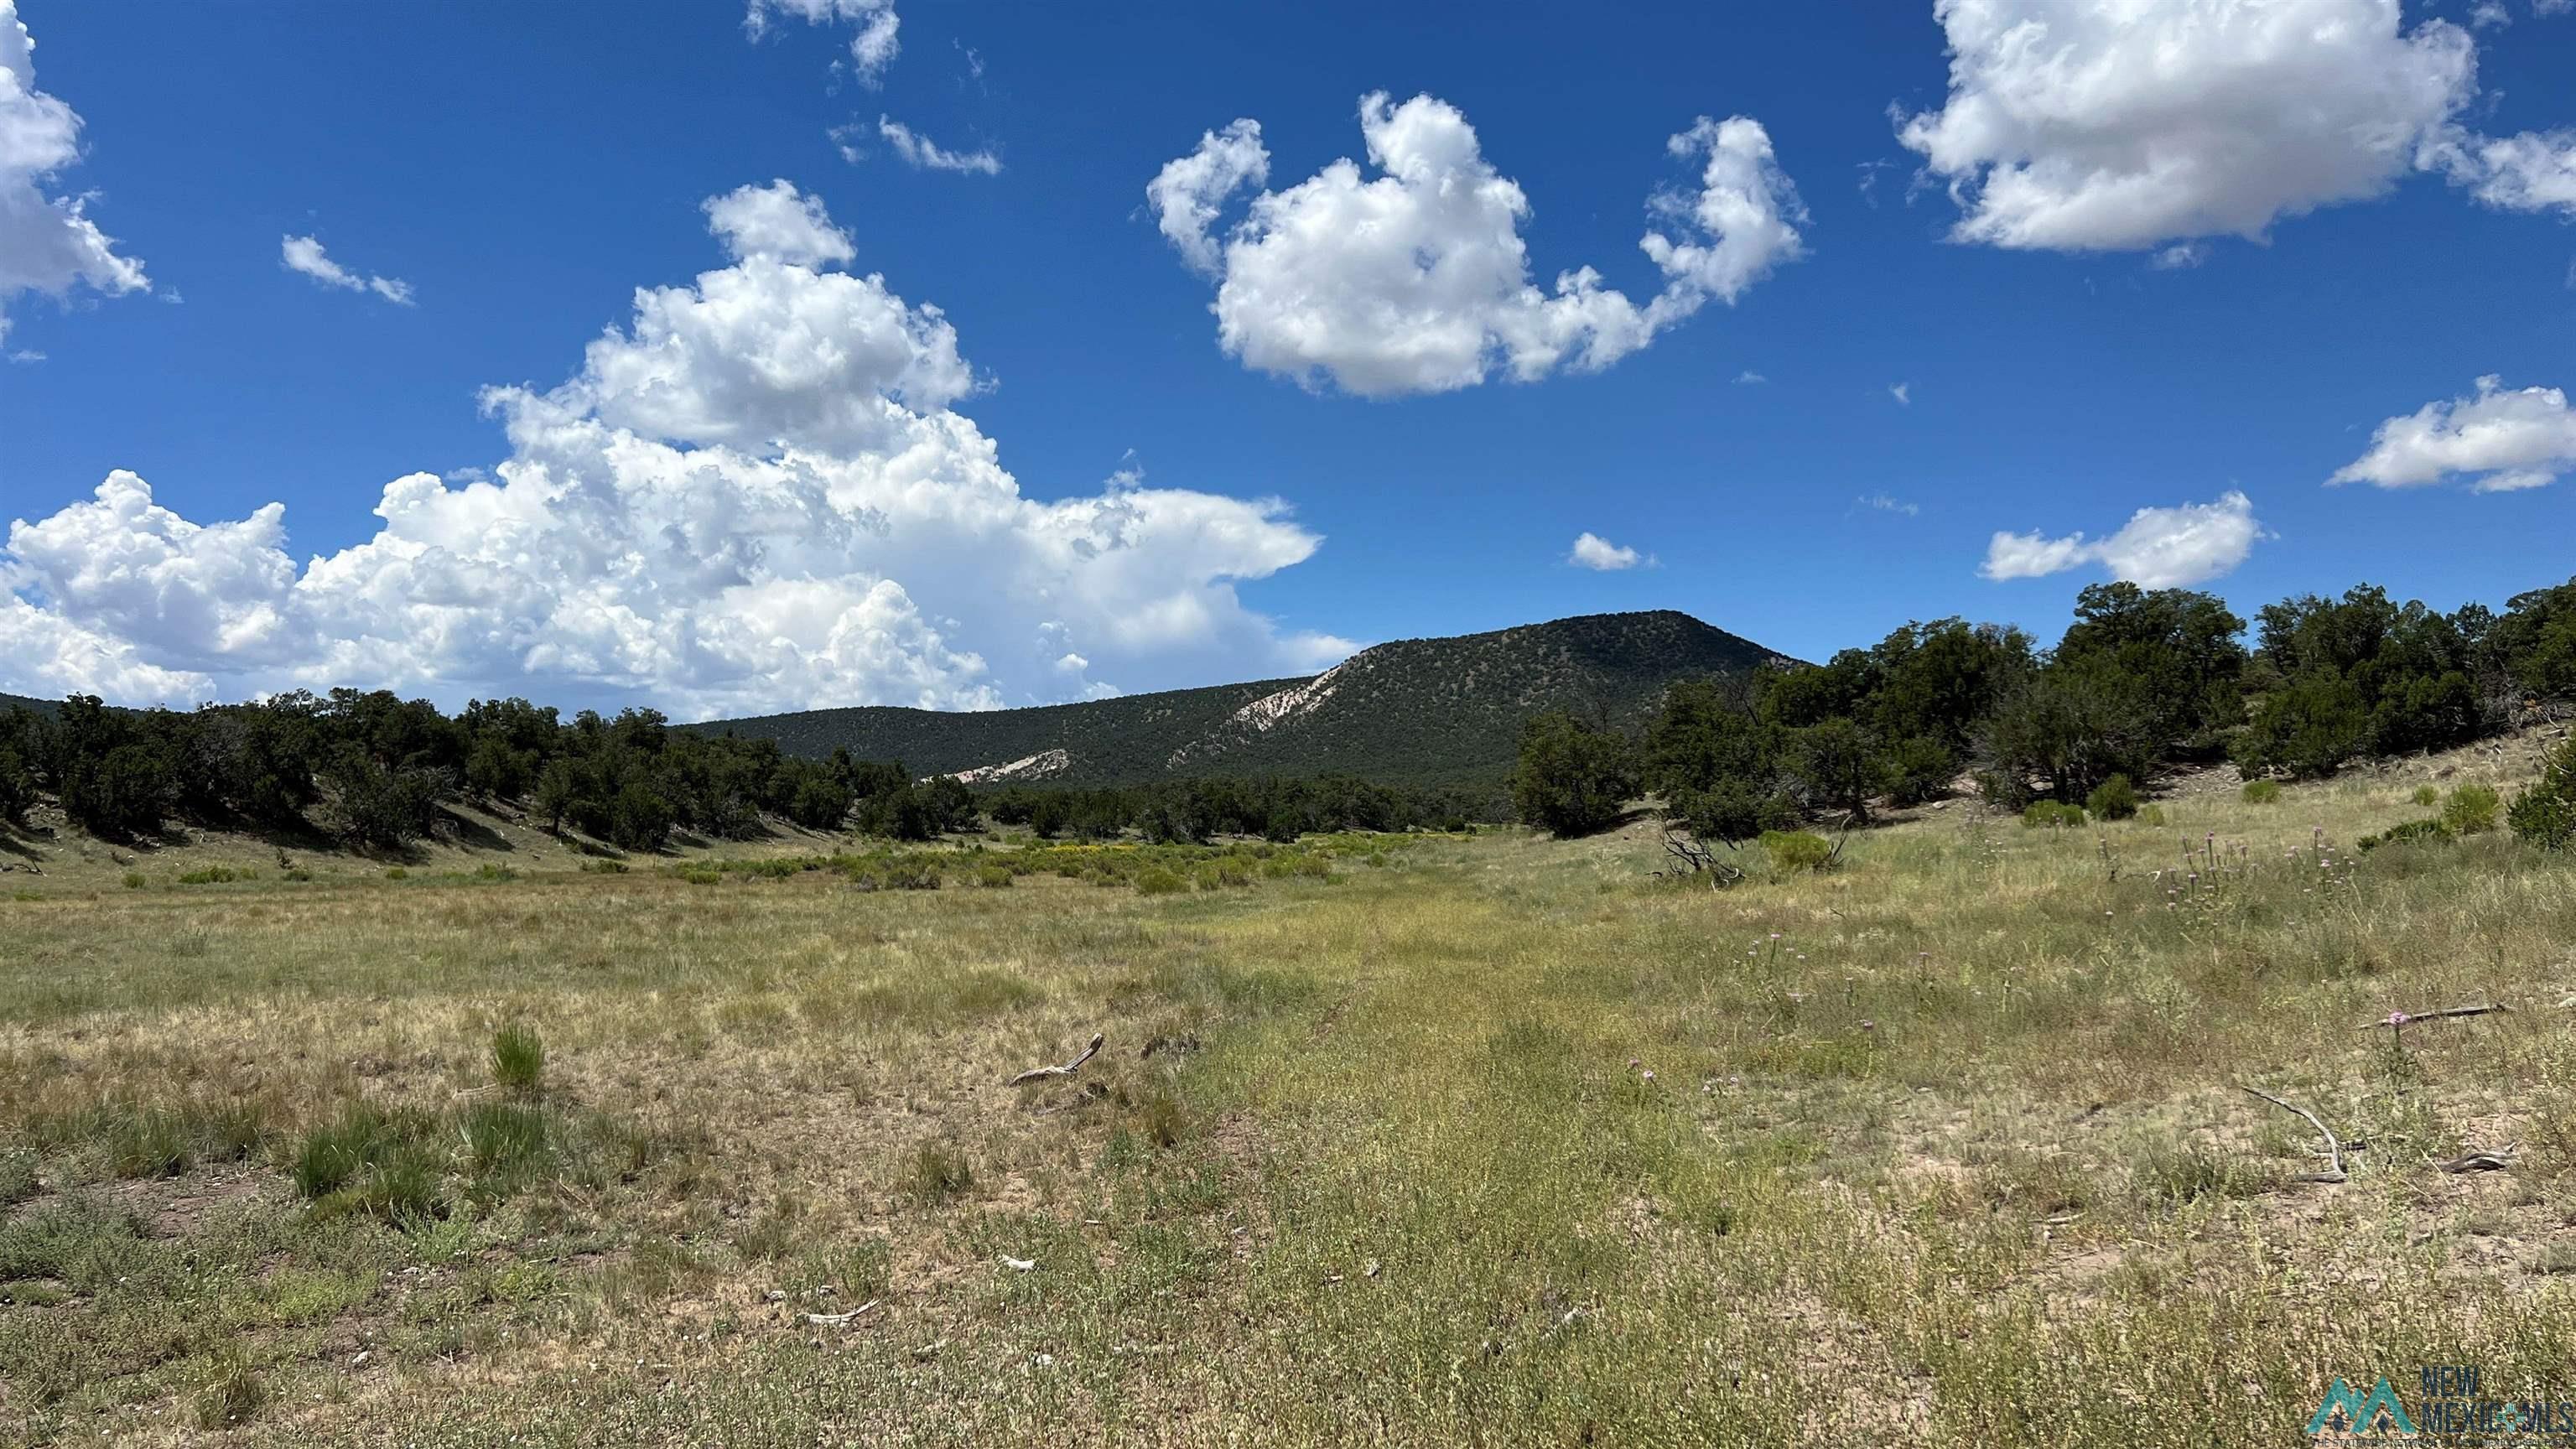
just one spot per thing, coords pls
(779, 223)
(2533, 171)
(1416, 279)
(923, 154)
(48, 244)
(756, 494)
(871, 50)
(304, 254)
(1592, 551)
(2159, 548)
(2120, 125)
(2505, 440)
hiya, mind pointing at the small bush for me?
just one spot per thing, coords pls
(603, 867)
(134, 880)
(2427, 796)
(2267, 792)
(217, 875)
(1157, 881)
(2053, 815)
(2472, 809)
(2413, 832)
(395, 872)
(2545, 814)
(2151, 815)
(518, 1057)
(993, 877)
(934, 1173)
(1796, 850)
(297, 873)
(2113, 799)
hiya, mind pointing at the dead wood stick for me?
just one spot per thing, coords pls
(2409, 1018)
(1068, 1069)
(834, 1320)
(2479, 1162)
(2334, 1149)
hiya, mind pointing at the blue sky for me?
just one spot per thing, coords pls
(2201, 289)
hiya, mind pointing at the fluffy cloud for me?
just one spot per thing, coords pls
(1416, 279)
(754, 495)
(2160, 548)
(923, 154)
(47, 244)
(1592, 551)
(2534, 171)
(778, 223)
(304, 254)
(871, 50)
(2506, 440)
(2116, 125)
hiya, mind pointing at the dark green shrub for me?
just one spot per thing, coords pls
(134, 880)
(2427, 796)
(518, 1057)
(1796, 850)
(2545, 814)
(2471, 809)
(2113, 799)
(2052, 815)
(2413, 832)
(1572, 779)
(1919, 769)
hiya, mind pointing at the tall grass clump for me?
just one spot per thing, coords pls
(519, 1057)
(934, 1172)
(2268, 792)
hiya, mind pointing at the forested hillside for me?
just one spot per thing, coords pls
(1419, 711)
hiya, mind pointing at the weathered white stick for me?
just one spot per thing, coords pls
(1034, 1074)
(834, 1320)
(2334, 1149)
(2409, 1018)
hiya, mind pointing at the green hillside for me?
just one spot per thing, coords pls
(1420, 711)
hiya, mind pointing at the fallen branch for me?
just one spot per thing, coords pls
(2334, 1149)
(1068, 1069)
(835, 1320)
(2479, 1162)
(2397, 1019)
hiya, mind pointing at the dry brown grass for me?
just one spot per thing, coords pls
(1956, 1157)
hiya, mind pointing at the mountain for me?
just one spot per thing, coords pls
(1419, 711)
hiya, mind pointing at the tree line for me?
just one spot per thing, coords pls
(378, 771)
(2142, 681)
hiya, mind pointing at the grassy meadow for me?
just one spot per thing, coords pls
(1428, 1140)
